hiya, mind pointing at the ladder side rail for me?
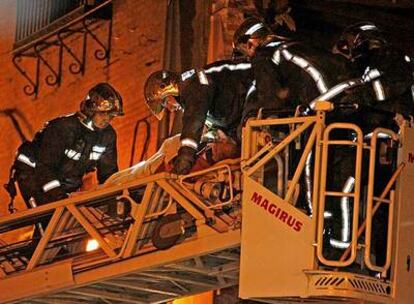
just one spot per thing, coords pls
(316, 206)
(75, 214)
(323, 193)
(371, 209)
(79, 199)
(384, 193)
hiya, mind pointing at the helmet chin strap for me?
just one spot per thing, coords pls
(86, 121)
(178, 108)
(271, 37)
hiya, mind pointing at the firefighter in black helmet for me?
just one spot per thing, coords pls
(287, 73)
(53, 164)
(388, 73)
(295, 73)
(388, 92)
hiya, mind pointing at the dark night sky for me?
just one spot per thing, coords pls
(324, 20)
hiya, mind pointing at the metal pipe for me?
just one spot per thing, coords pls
(370, 202)
(286, 177)
(280, 175)
(308, 181)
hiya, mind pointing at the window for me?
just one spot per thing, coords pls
(37, 17)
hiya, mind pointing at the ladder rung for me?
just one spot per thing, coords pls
(341, 194)
(340, 142)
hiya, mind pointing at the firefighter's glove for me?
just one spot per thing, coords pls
(54, 195)
(185, 160)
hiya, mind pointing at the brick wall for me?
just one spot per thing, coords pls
(137, 50)
(226, 16)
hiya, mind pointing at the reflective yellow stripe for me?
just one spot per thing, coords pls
(26, 160)
(202, 77)
(188, 142)
(51, 185)
(309, 68)
(379, 90)
(253, 29)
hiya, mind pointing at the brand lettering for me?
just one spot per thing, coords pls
(256, 198)
(278, 213)
(410, 157)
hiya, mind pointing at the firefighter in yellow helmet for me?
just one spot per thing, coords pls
(215, 93)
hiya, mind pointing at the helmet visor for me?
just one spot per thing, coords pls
(158, 106)
(342, 47)
(159, 89)
(112, 107)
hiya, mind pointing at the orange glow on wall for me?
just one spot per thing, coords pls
(202, 298)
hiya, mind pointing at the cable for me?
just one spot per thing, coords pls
(10, 113)
(146, 141)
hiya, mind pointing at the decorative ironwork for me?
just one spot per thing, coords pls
(57, 39)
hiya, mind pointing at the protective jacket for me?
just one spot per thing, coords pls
(54, 163)
(391, 86)
(288, 74)
(216, 92)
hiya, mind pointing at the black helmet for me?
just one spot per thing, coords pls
(250, 28)
(158, 87)
(102, 98)
(358, 40)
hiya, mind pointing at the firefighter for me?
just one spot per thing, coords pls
(216, 93)
(53, 164)
(388, 88)
(388, 92)
(287, 73)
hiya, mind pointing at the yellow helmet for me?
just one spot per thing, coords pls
(159, 86)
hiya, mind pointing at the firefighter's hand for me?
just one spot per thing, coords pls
(400, 119)
(185, 160)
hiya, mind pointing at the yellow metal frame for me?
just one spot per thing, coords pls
(355, 195)
(128, 249)
(128, 268)
(256, 153)
(378, 200)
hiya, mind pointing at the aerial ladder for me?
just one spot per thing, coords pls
(160, 237)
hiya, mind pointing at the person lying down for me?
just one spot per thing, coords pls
(212, 151)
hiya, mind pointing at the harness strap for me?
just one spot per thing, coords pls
(11, 189)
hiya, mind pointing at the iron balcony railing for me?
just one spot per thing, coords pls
(36, 16)
(75, 19)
